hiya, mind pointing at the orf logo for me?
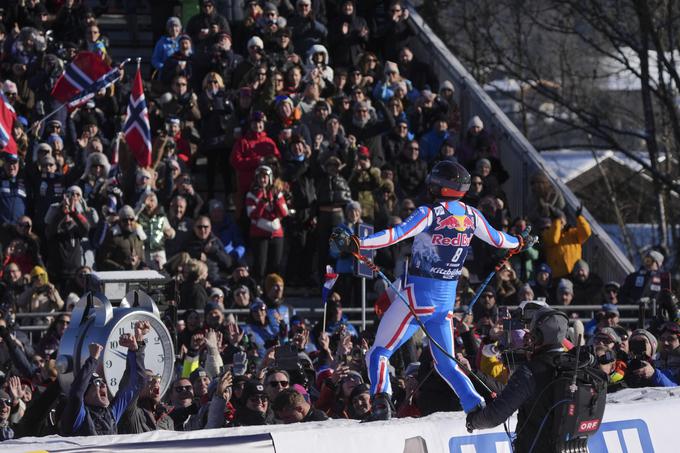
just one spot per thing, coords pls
(454, 222)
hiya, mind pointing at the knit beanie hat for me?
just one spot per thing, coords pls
(647, 334)
(475, 121)
(271, 280)
(581, 264)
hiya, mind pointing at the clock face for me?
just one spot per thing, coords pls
(159, 354)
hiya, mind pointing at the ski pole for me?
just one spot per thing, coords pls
(377, 270)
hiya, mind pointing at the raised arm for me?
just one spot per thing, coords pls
(490, 235)
(414, 224)
(135, 368)
(74, 413)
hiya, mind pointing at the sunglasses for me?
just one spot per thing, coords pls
(258, 399)
(26, 225)
(99, 383)
(203, 227)
(276, 384)
(6, 402)
(183, 388)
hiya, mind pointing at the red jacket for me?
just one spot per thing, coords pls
(247, 155)
(265, 211)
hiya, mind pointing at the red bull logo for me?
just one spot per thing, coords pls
(455, 222)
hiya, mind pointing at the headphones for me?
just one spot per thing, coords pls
(537, 323)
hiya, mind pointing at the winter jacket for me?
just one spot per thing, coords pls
(116, 252)
(205, 21)
(409, 176)
(298, 175)
(347, 48)
(562, 248)
(217, 259)
(260, 335)
(306, 32)
(81, 420)
(13, 197)
(363, 183)
(64, 232)
(154, 226)
(141, 417)
(165, 47)
(333, 191)
(247, 155)
(247, 417)
(265, 211)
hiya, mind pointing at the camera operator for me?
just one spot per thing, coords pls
(641, 371)
(548, 330)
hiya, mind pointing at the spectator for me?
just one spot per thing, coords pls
(167, 45)
(562, 243)
(248, 153)
(146, 412)
(291, 407)
(363, 182)
(67, 226)
(307, 30)
(258, 329)
(88, 411)
(255, 409)
(181, 223)
(546, 200)
(157, 230)
(123, 248)
(432, 141)
(348, 35)
(668, 361)
(588, 286)
(542, 283)
(333, 194)
(12, 201)
(226, 230)
(204, 245)
(611, 293)
(266, 208)
(646, 281)
(6, 431)
(410, 171)
(206, 24)
(279, 313)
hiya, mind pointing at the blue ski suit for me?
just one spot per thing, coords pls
(442, 232)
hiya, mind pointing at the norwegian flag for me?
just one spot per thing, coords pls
(7, 118)
(84, 76)
(329, 280)
(137, 129)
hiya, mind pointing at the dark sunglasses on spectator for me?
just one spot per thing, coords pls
(99, 382)
(6, 402)
(276, 384)
(183, 388)
(26, 225)
(607, 357)
(258, 398)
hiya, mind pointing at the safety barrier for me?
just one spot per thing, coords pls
(519, 157)
(641, 421)
(316, 313)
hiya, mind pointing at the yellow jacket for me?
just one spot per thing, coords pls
(563, 248)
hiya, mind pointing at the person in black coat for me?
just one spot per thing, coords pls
(410, 172)
(537, 409)
(202, 243)
(348, 36)
(255, 408)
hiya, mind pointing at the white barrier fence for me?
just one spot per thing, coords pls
(636, 421)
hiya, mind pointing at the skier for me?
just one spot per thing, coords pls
(442, 231)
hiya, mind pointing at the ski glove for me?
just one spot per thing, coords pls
(526, 240)
(343, 241)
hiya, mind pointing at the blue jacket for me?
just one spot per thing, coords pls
(431, 143)
(331, 327)
(260, 335)
(165, 47)
(229, 233)
(13, 195)
(81, 420)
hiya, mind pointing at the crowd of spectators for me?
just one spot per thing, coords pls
(308, 114)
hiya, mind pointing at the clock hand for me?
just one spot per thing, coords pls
(119, 354)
